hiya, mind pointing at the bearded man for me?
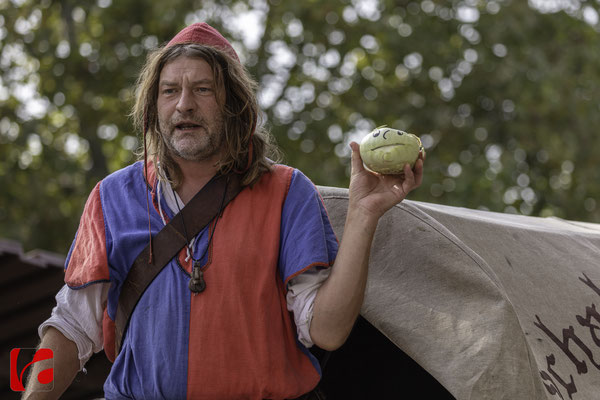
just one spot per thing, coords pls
(232, 314)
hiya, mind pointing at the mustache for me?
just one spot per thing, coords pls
(195, 121)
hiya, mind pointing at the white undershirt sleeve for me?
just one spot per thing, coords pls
(300, 299)
(78, 315)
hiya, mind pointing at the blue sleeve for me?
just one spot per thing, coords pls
(307, 238)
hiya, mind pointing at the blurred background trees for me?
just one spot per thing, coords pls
(504, 94)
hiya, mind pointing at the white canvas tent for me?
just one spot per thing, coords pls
(493, 306)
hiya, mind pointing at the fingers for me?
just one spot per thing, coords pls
(399, 192)
(409, 179)
(418, 172)
(357, 163)
(399, 184)
(414, 176)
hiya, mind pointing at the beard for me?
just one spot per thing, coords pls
(201, 143)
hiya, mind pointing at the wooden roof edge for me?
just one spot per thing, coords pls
(9, 246)
(37, 257)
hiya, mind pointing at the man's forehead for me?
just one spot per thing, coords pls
(186, 65)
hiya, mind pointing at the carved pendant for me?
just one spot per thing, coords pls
(197, 284)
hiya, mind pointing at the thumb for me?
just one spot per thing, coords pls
(357, 163)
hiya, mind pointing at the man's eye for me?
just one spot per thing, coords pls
(204, 90)
(169, 91)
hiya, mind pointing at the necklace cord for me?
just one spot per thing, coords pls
(151, 256)
(214, 227)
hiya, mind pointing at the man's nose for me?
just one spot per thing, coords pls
(186, 101)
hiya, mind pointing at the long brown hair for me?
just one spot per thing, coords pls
(249, 147)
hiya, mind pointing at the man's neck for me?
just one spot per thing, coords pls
(195, 174)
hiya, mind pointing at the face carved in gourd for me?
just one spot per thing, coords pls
(386, 150)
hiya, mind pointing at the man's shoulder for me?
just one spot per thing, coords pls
(284, 170)
(279, 174)
(132, 171)
(131, 176)
(294, 175)
(293, 179)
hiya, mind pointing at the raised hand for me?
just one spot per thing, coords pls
(375, 193)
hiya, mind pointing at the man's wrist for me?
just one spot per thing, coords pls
(362, 217)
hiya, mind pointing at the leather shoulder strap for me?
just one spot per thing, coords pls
(197, 213)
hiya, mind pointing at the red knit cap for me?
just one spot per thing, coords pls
(202, 33)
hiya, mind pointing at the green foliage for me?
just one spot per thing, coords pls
(504, 96)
